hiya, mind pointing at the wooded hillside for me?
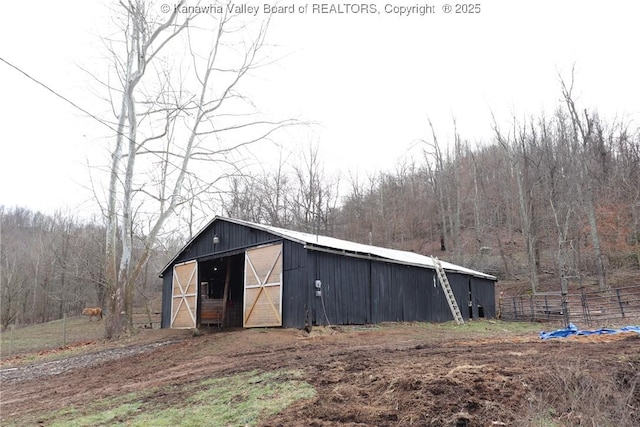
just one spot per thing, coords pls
(556, 194)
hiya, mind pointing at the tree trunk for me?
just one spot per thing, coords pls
(583, 138)
(524, 201)
(636, 228)
(595, 240)
(528, 236)
(115, 324)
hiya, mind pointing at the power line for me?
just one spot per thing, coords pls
(67, 100)
(99, 120)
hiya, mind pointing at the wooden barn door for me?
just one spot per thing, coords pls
(263, 286)
(184, 299)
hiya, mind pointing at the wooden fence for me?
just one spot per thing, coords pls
(147, 319)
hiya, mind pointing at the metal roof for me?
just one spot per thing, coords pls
(318, 242)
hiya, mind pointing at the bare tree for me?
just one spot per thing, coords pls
(316, 195)
(175, 93)
(355, 217)
(516, 149)
(626, 184)
(437, 180)
(558, 179)
(277, 193)
(583, 140)
(264, 197)
(243, 198)
(15, 254)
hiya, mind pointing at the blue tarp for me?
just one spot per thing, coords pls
(573, 330)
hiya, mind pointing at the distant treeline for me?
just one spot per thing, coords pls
(51, 265)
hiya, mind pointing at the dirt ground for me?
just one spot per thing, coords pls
(394, 375)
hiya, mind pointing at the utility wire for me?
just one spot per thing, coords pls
(99, 120)
(63, 98)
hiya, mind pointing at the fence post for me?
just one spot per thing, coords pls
(64, 329)
(585, 306)
(620, 302)
(533, 313)
(11, 340)
(565, 308)
(546, 307)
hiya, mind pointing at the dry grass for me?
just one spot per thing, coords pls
(590, 395)
(50, 336)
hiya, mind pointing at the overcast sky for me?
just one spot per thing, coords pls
(369, 80)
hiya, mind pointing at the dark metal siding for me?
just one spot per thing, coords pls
(345, 289)
(167, 280)
(386, 299)
(473, 292)
(484, 294)
(405, 294)
(295, 285)
(460, 286)
(357, 291)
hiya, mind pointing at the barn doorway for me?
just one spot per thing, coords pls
(263, 286)
(221, 291)
(184, 295)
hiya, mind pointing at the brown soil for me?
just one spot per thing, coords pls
(396, 375)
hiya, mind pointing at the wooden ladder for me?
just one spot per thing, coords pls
(446, 287)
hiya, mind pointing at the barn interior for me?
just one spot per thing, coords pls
(221, 291)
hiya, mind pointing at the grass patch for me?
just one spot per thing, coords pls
(50, 335)
(106, 417)
(447, 330)
(242, 399)
(488, 327)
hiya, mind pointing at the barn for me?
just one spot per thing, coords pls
(241, 274)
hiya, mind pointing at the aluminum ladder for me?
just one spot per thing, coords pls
(446, 287)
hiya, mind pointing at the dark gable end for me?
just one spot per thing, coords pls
(232, 236)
